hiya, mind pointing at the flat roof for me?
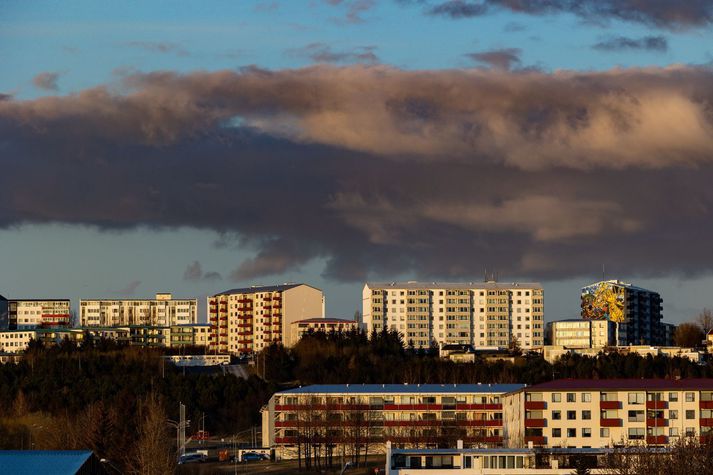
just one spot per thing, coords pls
(624, 384)
(453, 285)
(526, 450)
(403, 388)
(620, 284)
(262, 288)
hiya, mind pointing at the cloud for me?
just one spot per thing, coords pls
(130, 288)
(323, 53)
(46, 81)
(504, 58)
(620, 43)
(669, 14)
(194, 273)
(355, 9)
(159, 47)
(377, 171)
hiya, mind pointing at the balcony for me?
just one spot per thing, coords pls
(493, 439)
(535, 423)
(656, 439)
(656, 405)
(706, 404)
(706, 422)
(609, 405)
(610, 422)
(535, 405)
(658, 422)
(535, 439)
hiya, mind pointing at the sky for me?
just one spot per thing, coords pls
(193, 147)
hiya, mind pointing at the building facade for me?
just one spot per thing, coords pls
(327, 325)
(408, 415)
(160, 311)
(609, 412)
(482, 314)
(35, 313)
(581, 333)
(246, 320)
(16, 341)
(636, 312)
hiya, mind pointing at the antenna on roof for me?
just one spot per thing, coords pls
(603, 273)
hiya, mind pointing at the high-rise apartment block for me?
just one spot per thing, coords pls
(33, 313)
(161, 311)
(482, 314)
(636, 312)
(246, 320)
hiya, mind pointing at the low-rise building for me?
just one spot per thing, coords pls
(327, 325)
(34, 313)
(608, 412)
(580, 333)
(192, 334)
(163, 310)
(553, 353)
(408, 415)
(16, 341)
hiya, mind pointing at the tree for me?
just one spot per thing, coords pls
(705, 320)
(688, 335)
(152, 451)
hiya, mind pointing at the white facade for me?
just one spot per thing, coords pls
(482, 314)
(34, 313)
(580, 333)
(15, 341)
(161, 311)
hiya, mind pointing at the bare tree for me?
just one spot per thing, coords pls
(705, 320)
(152, 454)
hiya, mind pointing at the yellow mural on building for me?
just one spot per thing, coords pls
(603, 302)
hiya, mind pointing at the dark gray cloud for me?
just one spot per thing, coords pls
(620, 43)
(194, 273)
(381, 172)
(503, 59)
(46, 81)
(670, 14)
(162, 47)
(323, 53)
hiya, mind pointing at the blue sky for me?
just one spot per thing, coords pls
(84, 44)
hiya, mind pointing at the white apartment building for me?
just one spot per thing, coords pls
(580, 333)
(246, 320)
(25, 314)
(482, 314)
(161, 311)
(15, 341)
(608, 412)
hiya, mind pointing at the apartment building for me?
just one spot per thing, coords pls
(581, 333)
(483, 314)
(609, 412)
(16, 341)
(246, 320)
(191, 334)
(326, 325)
(26, 314)
(408, 415)
(636, 312)
(160, 311)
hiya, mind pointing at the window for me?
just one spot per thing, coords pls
(636, 433)
(556, 415)
(673, 397)
(690, 397)
(673, 432)
(673, 414)
(586, 397)
(690, 432)
(556, 432)
(571, 433)
(636, 416)
(587, 432)
(571, 415)
(586, 415)
(604, 432)
(571, 397)
(690, 414)
(636, 398)
(556, 397)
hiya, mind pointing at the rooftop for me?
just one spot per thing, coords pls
(262, 288)
(620, 284)
(43, 461)
(411, 284)
(403, 388)
(324, 320)
(625, 384)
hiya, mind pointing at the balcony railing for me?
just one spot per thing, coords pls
(535, 439)
(535, 405)
(656, 405)
(656, 439)
(656, 422)
(706, 404)
(610, 422)
(609, 405)
(535, 423)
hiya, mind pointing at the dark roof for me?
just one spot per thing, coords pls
(60, 462)
(404, 388)
(262, 288)
(324, 320)
(624, 384)
(38, 300)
